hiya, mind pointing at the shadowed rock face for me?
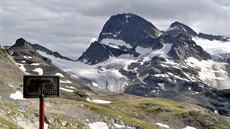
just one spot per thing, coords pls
(184, 47)
(177, 28)
(95, 53)
(130, 28)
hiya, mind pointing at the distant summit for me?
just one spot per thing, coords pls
(130, 28)
(22, 43)
(177, 28)
(22, 51)
(126, 33)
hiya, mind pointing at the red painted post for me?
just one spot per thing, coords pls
(42, 114)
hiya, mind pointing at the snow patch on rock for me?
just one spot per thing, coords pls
(39, 71)
(59, 74)
(119, 126)
(21, 67)
(99, 101)
(149, 53)
(27, 57)
(95, 84)
(189, 127)
(98, 125)
(35, 64)
(66, 81)
(16, 95)
(67, 90)
(115, 43)
(163, 125)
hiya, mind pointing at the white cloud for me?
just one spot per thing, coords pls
(93, 39)
(70, 25)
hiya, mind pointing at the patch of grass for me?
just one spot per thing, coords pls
(8, 124)
(65, 121)
(120, 115)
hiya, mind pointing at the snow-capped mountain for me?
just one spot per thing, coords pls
(150, 63)
(133, 56)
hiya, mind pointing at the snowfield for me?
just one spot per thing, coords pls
(106, 75)
(211, 72)
(213, 47)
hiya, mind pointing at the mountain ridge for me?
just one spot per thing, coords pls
(38, 47)
(176, 64)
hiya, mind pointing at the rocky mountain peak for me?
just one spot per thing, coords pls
(98, 52)
(22, 44)
(130, 28)
(177, 28)
(184, 47)
(22, 50)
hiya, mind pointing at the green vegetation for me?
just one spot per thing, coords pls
(134, 111)
(145, 112)
(8, 124)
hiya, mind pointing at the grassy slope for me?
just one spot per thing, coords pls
(145, 112)
(132, 110)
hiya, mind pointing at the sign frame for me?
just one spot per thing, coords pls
(34, 86)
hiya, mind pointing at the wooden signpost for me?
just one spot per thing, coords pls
(40, 87)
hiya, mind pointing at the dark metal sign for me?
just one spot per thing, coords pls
(35, 86)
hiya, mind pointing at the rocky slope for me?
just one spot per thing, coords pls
(31, 62)
(10, 75)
